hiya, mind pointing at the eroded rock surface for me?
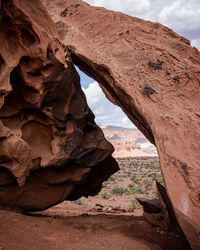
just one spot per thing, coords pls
(159, 212)
(154, 75)
(50, 147)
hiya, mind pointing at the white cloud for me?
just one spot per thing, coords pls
(138, 6)
(195, 43)
(182, 16)
(105, 112)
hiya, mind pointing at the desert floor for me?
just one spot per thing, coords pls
(79, 225)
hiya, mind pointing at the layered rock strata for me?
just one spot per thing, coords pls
(153, 74)
(50, 147)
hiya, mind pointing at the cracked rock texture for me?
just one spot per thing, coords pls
(153, 74)
(50, 147)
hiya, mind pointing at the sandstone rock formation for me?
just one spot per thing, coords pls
(160, 213)
(153, 74)
(50, 147)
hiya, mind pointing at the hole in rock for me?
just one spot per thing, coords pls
(27, 38)
(136, 156)
(2, 64)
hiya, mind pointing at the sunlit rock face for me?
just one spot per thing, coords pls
(50, 147)
(153, 74)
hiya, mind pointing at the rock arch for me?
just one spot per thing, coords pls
(153, 74)
(144, 67)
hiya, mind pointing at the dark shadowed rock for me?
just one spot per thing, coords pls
(151, 206)
(159, 212)
(50, 147)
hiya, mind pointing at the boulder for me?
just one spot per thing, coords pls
(151, 206)
(160, 213)
(50, 147)
(153, 74)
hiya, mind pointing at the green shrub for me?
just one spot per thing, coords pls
(154, 177)
(134, 204)
(104, 194)
(133, 177)
(137, 181)
(136, 190)
(117, 190)
(148, 183)
(81, 202)
(112, 178)
(140, 190)
(160, 180)
(133, 190)
(154, 192)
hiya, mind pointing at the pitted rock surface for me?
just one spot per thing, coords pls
(50, 147)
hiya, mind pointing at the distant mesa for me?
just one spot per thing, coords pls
(118, 128)
(114, 137)
(128, 142)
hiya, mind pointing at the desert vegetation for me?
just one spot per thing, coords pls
(136, 178)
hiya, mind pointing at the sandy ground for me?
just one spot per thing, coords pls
(69, 226)
(74, 227)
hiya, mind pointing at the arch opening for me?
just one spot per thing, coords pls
(135, 154)
(139, 182)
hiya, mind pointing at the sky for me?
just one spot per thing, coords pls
(105, 112)
(183, 16)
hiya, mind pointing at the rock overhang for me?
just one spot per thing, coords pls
(153, 74)
(124, 54)
(50, 147)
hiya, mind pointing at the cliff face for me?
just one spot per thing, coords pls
(154, 76)
(128, 142)
(50, 147)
